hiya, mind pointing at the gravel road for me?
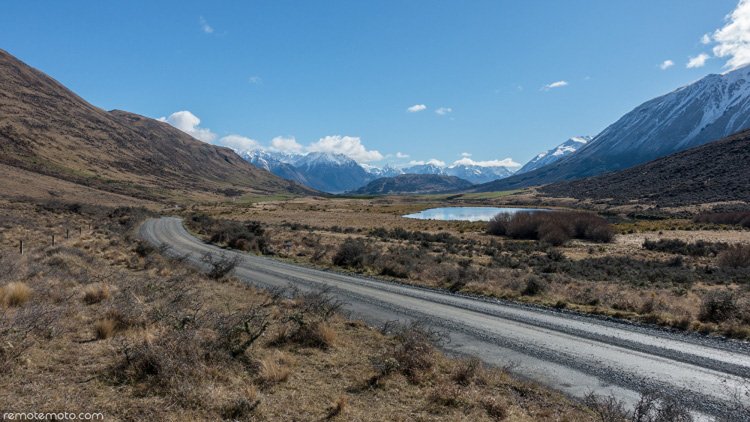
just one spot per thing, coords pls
(569, 352)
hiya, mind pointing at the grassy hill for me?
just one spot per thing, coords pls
(45, 128)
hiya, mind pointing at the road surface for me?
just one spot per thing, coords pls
(569, 352)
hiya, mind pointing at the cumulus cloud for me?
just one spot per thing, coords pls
(401, 155)
(507, 162)
(465, 154)
(416, 108)
(238, 143)
(444, 110)
(190, 124)
(698, 61)
(733, 39)
(666, 64)
(433, 161)
(286, 144)
(706, 39)
(205, 27)
(553, 85)
(351, 146)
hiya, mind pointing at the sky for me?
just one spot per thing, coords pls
(491, 82)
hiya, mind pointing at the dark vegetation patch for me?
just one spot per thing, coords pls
(555, 228)
(248, 236)
(676, 246)
(738, 218)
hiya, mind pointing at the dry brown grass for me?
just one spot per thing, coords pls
(172, 337)
(104, 329)
(15, 294)
(95, 293)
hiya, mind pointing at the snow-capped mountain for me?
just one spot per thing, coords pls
(707, 110)
(333, 173)
(385, 171)
(276, 163)
(548, 157)
(478, 174)
(427, 168)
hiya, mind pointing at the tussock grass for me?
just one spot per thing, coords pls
(15, 294)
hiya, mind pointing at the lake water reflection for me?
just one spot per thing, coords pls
(466, 213)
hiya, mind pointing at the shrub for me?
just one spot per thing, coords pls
(273, 369)
(534, 286)
(555, 227)
(677, 246)
(15, 294)
(95, 293)
(221, 267)
(494, 408)
(351, 254)
(741, 218)
(737, 256)
(338, 407)
(104, 329)
(468, 371)
(446, 395)
(413, 355)
(718, 306)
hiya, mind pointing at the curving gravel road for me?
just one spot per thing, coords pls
(572, 353)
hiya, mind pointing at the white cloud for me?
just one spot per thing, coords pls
(286, 144)
(465, 154)
(553, 85)
(507, 162)
(401, 155)
(205, 27)
(733, 39)
(351, 146)
(706, 39)
(433, 161)
(238, 143)
(666, 64)
(255, 80)
(416, 108)
(698, 61)
(444, 110)
(189, 123)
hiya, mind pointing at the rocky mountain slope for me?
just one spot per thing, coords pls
(715, 172)
(413, 183)
(709, 109)
(559, 152)
(45, 128)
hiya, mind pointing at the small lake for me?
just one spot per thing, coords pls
(466, 213)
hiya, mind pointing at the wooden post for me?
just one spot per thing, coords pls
(20, 246)
(80, 231)
(53, 240)
(67, 233)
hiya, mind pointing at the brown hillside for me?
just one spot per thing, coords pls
(46, 128)
(715, 172)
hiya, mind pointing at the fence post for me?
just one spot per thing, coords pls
(67, 233)
(80, 231)
(53, 240)
(20, 246)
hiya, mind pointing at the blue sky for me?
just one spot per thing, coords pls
(341, 75)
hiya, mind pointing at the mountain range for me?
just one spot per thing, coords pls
(337, 173)
(413, 184)
(47, 129)
(709, 109)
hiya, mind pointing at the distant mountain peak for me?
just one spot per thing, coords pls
(563, 150)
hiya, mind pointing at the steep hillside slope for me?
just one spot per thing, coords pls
(555, 154)
(413, 183)
(709, 109)
(716, 172)
(47, 129)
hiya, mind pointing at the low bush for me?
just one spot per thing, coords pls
(247, 236)
(555, 227)
(741, 218)
(736, 256)
(95, 293)
(534, 286)
(718, 306)
(413, 354)
(15, 294)
(104, 328)
(221, 267)
(351, 253)
(677, 246)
